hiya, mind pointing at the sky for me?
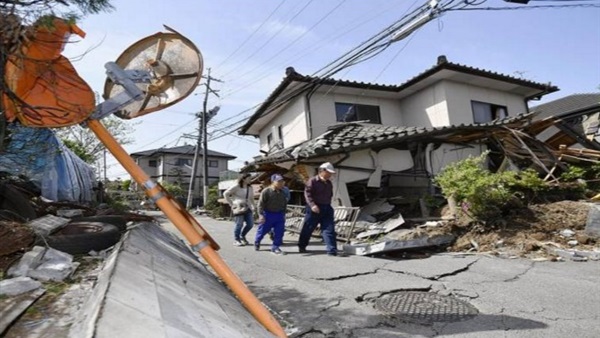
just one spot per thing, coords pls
(249, 44)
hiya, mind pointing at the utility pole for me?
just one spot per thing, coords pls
(202, 142)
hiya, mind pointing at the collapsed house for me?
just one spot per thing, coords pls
(390, 140)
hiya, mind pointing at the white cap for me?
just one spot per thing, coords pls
(327, 166)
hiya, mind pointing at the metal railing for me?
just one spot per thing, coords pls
(344, 218)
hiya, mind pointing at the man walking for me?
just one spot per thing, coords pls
(318, 194)
(271, 214)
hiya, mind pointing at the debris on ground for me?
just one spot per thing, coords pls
(552, 231)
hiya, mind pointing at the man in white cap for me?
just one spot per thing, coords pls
(318, 193)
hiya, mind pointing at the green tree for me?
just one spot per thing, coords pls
(85, 143)
(30, 11)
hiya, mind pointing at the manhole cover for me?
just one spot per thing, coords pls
(425, 307)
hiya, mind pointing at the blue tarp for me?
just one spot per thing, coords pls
(39, 155)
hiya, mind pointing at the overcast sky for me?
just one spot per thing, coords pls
(249, 44)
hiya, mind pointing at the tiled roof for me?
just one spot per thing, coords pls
(355, 136)
(183, 150)
(567, 104)
(442, 64)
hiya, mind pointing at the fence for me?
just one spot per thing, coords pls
(344, 218)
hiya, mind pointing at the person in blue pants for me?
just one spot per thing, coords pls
(318, 193)
(271, 214)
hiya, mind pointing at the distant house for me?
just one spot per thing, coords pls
(388, 137)
(174, 166)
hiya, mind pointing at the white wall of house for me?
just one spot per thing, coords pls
(293, 123)
(322, 106)
(460, 95)
(451, 153)
(426, 108)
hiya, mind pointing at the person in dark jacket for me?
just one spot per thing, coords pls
(272, 205)
(318, 193)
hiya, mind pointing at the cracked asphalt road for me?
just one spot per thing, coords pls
(321, 296)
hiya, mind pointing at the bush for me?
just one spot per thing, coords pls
(479, 192)
(212, 203)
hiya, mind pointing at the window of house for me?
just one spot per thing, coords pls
(348, 112)
(152, 163)
(270, 140)
(213, 164)
(280, 133)
(484, 112)
(180, 162)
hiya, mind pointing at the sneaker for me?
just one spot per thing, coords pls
(302, 250)
(332, 254)
(238, 243)
(256, 246)
(277, 252)
(244, 241)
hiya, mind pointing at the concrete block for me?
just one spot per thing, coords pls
(592, 226)
(47, 224)
(69, 213)
(30, 260)
(397, 245)
(51, 271)
(18, 285)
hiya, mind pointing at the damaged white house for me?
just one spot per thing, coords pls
(390, 139)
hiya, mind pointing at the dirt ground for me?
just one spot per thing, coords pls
(525, 232)
(15, 240)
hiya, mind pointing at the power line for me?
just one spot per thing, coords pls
(366, 50)
(296, 39)
(353, 24)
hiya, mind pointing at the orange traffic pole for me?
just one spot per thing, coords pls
(198, 238)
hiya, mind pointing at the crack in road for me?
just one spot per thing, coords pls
(453, 273)
(350, 276)
(437, 277)
(519, 275)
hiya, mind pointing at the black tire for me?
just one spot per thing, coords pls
(118, 221)
(12, 201)
(83, 237)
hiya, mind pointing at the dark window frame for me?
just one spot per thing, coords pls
(153, 163)
(211, 163)
(492, 110)
(350, 112)
(181, 161)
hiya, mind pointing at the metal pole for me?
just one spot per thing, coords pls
(205, 144)
(190, 196)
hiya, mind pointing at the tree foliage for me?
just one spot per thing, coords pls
(485, 195)
(85, 143)
(30, 11)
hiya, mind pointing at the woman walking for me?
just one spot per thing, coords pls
(241, 199)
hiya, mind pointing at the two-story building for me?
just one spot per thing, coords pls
(174, 166)
(393, 138)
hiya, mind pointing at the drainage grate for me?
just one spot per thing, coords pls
(425, 307)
